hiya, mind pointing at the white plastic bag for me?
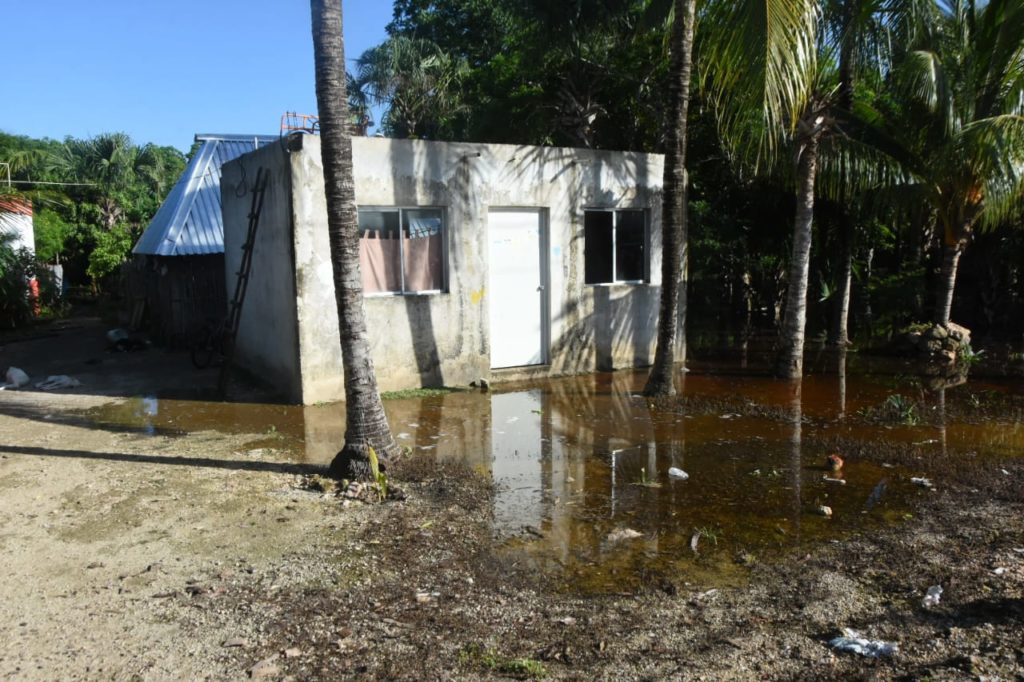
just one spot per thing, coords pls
(15, 378)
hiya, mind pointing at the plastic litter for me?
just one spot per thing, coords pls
(921, 481)
(620, 534)
(852, 642)
(677, 473)
(825, 510)
(15, 378)
(57, 381)
(932, 596)
(829, 479)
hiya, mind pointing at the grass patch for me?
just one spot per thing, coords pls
(408, 393)
(489, 659)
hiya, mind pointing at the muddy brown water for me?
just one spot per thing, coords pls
(580, 463)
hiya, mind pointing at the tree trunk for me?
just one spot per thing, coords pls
(947, 282)
(790, 362)
(673, 208)
(839, 334)
(841, 321)
(366, 425)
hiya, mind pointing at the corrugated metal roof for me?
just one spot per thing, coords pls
(189, 222)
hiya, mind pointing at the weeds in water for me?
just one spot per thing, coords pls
(969, 356)
(897, 408)
(409, 393)
(901, 409)
(646, 481)
(489, 659)
(708, 533)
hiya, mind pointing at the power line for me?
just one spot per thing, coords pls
(42, 182)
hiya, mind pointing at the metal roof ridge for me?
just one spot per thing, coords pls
(189, 193)
(233, 137)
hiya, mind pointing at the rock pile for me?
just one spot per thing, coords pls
(939, 345)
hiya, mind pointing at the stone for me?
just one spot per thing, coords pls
(265, 668)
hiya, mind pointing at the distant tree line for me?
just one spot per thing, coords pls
(91, 198)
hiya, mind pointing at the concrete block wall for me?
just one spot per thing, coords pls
(438, 339)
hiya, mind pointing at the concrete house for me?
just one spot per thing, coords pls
(477, 260)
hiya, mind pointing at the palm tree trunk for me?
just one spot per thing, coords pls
(790, 362)
(841, 323)
(366, 425)
(673, 209)
(947, 282)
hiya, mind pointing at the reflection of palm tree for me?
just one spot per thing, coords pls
(841, 370)
(796, 451)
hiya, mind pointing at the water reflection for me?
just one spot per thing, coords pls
(581, 464)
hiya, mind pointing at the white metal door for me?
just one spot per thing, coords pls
(516, 287)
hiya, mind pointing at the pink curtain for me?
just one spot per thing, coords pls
(379, 261)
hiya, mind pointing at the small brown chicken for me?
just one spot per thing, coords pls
(834, 462)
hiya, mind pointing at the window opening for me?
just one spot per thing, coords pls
(615, 245)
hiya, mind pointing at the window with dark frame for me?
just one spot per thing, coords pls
(615, 245)
(401, 250)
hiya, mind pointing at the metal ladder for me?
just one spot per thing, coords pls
(242, 281)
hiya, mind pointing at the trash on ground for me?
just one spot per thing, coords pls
(57, 381)
(124, 341)
(424, 597)
(825, 511)
(829, 479)
(674, 472)
(624, 534)
(921, 481)
(16, 378)
(999, 570)
(932, 596)
(834, 462)
(852, 642)
(694, 541)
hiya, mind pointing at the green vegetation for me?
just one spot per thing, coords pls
(708, 533)
(919, 146)
(896, 409)
(91, 198)
(411, 393)
(490, 660)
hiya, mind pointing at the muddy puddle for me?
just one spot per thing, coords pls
(581, 465)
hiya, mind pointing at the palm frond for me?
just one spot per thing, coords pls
(759, 55)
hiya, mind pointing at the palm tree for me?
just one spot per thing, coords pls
(366, 425)
(673, 211)
(859, 37)
(959, 128)
(761, 67)
(417, 81)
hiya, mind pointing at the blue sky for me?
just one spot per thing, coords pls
(164, 70)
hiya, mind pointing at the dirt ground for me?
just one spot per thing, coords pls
(129, 555)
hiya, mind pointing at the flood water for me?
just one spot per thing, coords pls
(580, 465)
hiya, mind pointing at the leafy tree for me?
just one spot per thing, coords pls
(956, 122)
(366, 426)
(763, 75)
(419, 83)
